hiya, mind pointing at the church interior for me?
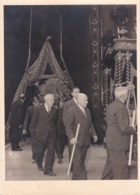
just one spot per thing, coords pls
(55, 48)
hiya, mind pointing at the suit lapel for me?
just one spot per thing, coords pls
(87, 114)
(45, 111)
(80, 111)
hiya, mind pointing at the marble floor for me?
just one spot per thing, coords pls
(19, 165)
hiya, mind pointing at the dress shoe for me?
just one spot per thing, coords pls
(17, 149)
(33, 161)
(40, 168)
(49, 173)
(71, 170)
(98, 142)
(60, 161)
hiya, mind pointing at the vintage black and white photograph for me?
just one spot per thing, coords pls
(70, 89)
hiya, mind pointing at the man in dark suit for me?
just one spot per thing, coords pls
(117, 137)
(27, 123)
(44, 127)
(16, 122)
(79, 114)
(61, 134)
(68, 104)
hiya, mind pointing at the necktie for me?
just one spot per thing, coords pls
(49, 109)
(83, 110)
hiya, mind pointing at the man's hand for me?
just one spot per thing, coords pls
(95, 138)
(132, 130)
(104, 139)
(24, 132)
(20, 126)
(73, 141)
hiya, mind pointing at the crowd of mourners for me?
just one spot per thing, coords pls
(51, 125)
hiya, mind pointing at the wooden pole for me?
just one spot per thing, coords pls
(73, 150)
(131, 141)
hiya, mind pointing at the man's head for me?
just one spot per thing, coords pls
(121, 93)
(22, 96)
(49, 100)
(74, 92)
(82, 100)
(61, 104)
(35, 101)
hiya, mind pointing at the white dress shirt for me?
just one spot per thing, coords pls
(82, 109)
(47, 108)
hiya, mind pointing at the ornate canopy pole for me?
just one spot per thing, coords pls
(95, 39)
(95, 20)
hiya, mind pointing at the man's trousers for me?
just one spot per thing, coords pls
(79, 171)
(41, 147)
(116, 166)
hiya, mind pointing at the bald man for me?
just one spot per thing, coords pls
(79, 113)
(117, 137)
(44, 127)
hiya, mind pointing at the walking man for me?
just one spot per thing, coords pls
(16, 122)
(68, 104)
(79, 114)
(44, 127)
(117, 137)
(27, 124)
